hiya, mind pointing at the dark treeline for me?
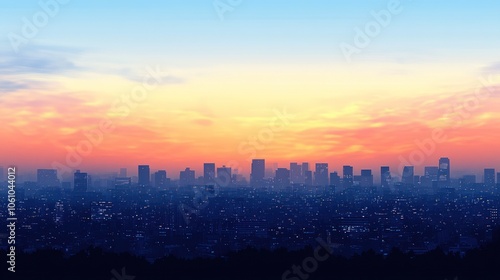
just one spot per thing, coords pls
(94, 264)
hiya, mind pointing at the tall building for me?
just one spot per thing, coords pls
(80, 181)
(385, 177)
(305, 168)
(347, 176)
(308, 179)
(408, 175)
(187, 177)
(2, 176)
(296, 173)
(321, 174)
(444, 172)
(224, 176)
(282, 178)
(144, 175)
(498, 178)
(366, 178)
(123, 172)
(209, 173)
(258, 172)
(335, 179)
(160, 178)
(47, 178)
(489, 177)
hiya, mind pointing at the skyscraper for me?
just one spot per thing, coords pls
(408, 175)
(80, 181)
(258, 172)
(308, 179)
(224, 176)
(444, 172)
(160, 178)
(335, 179)
(187, 177)
(282, 178)
(296, 173)
(47, 178)
(209, 173)
(347, 176)
(321, 174)
(489, 177)
(385, 176)
(366, 178)
(305, 168)
(144, 175)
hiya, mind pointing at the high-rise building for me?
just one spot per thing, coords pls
(209, 173)
(444, 172)
(305, 168)
(296, 173)
(80, 181)
(258, 172)
(282, 178)
(2, 176)
(489, 177)
(47, 178)
(385, 177)
(224, 176)
(335, 179)
(160, 179)
(366, 178)
(187, 177)
(321, 174)
(144, 175)
(123, 172)
(498, 178)
(408, 175)
(347, 176)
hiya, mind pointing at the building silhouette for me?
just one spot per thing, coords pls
(321, 174)
(444, 173)
(123, 172)
(408, 175)
(489, 177)
(224, 176)
(160, 179)
(385, 177)
(296, 173)
(187, 177)
(258, 171)
(335, 179)
(81, 181)
(209, 173)
(144, 175)
(47, 178)
(366, 178)
(347, 176)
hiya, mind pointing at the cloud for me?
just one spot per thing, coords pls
(492, 69)
(135, 76)
(38, 62)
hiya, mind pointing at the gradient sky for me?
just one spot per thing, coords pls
(227, 78)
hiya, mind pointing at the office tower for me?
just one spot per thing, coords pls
(444, 172)
(489, 177)
(224, 176)
(160, 179)
(335, 179)
(296, 173)
(123, 172)
(123, 182)
(1, 174)
(187, 177)
(144, 175)
(258, 172)
(321, 174)
(385, 176)
(209, 173)
(498, 178)
(366, 178)
(408, 173)
(47, 178)
(305, 168)
(308, 179)
(282, 178)
(430, 175)
(348, 176)
(81, 181)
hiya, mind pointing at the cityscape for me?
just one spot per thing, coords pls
(249, 140)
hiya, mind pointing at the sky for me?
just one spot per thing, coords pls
(99, 85)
